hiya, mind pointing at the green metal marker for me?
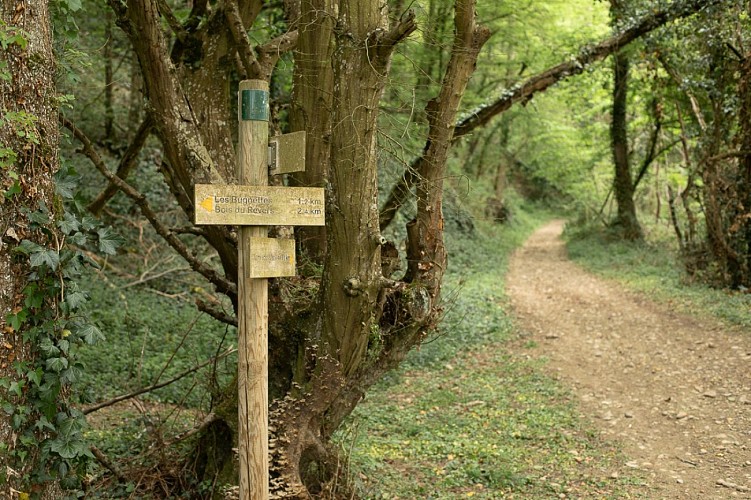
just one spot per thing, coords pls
(254, 105)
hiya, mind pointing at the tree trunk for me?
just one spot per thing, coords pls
(109, 81)
(743, 143)
(312, 108)
(623, 184)
(29, 139)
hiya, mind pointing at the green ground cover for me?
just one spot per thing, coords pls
(152, 338)
(654, 267)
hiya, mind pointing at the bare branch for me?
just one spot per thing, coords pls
(222, 283)
(270, 53)
(173, 22)
(245, 51)
(730, 154)
(402, 30)
(542, 81)
(127, 163)
(691, 97)
(145, 277)
(216, 313)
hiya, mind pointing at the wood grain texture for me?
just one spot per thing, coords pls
(252, 318)
(289, 153)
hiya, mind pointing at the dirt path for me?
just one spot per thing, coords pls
(673, 390)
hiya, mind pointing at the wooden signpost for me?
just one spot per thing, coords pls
(253, 205)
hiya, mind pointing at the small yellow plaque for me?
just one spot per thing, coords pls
(271, 258)
(287, 153)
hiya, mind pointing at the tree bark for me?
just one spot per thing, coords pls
(313, 87)
(29, 90)
(744, 164)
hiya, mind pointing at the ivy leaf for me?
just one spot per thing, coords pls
(39, 217)
(43, 423)
(91, 334)
(18, 420)
(78, 239)
(48, 393)
(16, 387)
(57, 364)
(35, 376)
(48, 348)
(14, 190)
(72, 374)
(16, 320)
(50, 258)
(76, 299)
(65, 447)
(66, 183)
(64, 346)
(68, 224)
(70, 425)
(33, 297)
(88, 223)
(73, 5)
(69, 376)
(109, 240)
(28, 247)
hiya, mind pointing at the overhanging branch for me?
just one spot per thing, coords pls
(588, 55)
(223, 284)
(524, 91)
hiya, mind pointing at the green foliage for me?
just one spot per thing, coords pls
(39, 399)
(12, 35)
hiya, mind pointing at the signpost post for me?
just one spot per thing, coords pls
(253, 205)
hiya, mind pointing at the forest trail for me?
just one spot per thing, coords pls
(673, 390)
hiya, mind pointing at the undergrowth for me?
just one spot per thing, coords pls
(653, 267)
(464, 418)
(152, 338)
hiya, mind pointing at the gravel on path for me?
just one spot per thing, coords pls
(673, 390)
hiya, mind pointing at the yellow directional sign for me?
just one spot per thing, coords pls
(259, 205)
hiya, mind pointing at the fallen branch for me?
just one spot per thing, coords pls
(131, 395)
(145, 278)
(107, 463)
(210, 419)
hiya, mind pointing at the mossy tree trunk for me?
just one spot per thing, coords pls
(29, 156)
(623, 184)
